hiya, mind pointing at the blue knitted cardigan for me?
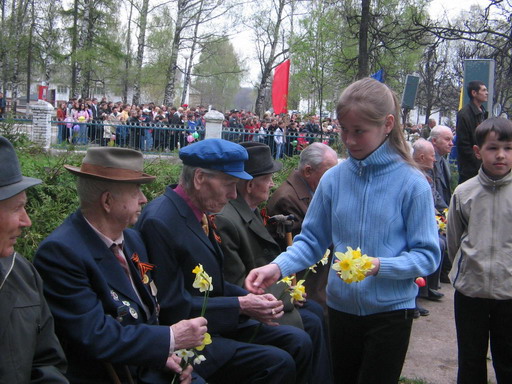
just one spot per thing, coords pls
(384, 206)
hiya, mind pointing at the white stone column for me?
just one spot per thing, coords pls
(42, 113)
(214, 120)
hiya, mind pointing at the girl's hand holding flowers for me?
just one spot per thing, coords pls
(352, 266)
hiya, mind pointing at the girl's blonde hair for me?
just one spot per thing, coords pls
(374, 101)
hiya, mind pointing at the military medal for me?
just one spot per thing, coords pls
(134, 313)
(114, 295)
(142, 267)
(127, 303)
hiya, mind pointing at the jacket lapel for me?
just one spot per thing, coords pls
(190, 219)
(254, 223)
(107, 262)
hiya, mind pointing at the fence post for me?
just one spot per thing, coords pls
(41, 123)
(213, 127)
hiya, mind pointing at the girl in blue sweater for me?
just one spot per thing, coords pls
(378, 201)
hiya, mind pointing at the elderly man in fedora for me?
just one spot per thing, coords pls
(30, 352)
(179, 236)
(247, 244)
(98, 281)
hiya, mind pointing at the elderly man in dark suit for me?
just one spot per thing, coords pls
(179, 236)
(442, 140)
(247, 244)
(29, 349)
(293, 197)
(98, 282)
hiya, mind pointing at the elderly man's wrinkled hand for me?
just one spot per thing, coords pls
(189, 333)
(265, 308)
(173, 364)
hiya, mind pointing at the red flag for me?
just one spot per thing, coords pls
(280, 88)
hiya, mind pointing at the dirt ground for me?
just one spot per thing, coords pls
(432, 354)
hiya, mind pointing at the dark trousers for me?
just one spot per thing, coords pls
(277, 355)
(369, 349)
(312, 315)
(475, 320)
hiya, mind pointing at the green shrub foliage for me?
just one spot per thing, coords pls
(51, 202)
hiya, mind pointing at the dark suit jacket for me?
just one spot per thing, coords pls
(246, 245)
(98, 316)
(442, 178)
(468, 118)
(293, 197)
(176, 244)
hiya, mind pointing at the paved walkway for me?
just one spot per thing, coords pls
(432, 354)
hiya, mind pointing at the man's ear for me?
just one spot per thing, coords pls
(198, 179)
(477, 152)
(106, 201)
(308, 169)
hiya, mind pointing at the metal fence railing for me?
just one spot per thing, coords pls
(161, 138)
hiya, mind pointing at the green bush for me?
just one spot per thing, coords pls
(51, 202)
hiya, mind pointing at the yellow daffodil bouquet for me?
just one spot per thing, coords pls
(352, 266)
(203, 282)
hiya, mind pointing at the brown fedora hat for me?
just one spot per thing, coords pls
(121, 165)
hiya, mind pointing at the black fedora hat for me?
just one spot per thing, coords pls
(260, 160)
(12, 181)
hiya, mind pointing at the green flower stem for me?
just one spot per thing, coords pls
(205, 301)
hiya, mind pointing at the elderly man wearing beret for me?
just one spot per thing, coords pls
(179, 236)
(98, 281)
(29, 349)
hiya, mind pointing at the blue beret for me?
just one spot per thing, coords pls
(217, 154)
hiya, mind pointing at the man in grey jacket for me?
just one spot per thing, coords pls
(29, 348)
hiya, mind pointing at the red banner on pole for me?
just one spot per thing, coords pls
(280, 88)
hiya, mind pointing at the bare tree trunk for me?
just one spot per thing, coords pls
(141, 43)
(128, 58)
(29, 51)
(74, 47)
(171, 70)
(3, 72)
(188, 68)
(269, 63)
(362, 60)
(18, 22)
(88, 36)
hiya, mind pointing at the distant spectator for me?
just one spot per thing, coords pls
(468, 118)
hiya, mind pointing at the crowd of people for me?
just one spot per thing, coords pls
(204, 277)
(160, 128)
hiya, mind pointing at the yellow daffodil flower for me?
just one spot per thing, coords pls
(352, 266)
(199, 359)
(202, 281)
(297, 292)
(206, 341)
(185, 354)
(287, 280)
(325, 258)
